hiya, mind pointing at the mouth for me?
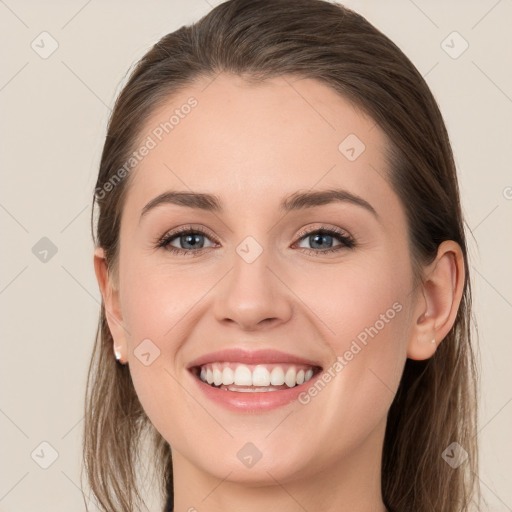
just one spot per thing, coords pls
(246, 378)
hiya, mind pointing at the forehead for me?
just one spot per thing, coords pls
(259, 142)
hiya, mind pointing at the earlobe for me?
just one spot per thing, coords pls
(110, 296)
(436, 311)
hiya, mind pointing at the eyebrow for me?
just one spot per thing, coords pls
(297, 201)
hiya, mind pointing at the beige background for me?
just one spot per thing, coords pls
(53, 121)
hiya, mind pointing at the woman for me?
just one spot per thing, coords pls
(280, 374)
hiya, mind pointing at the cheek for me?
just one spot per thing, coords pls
(362, 302)
(160, 306)
(157, 299)
(154, 308)
(366, 310)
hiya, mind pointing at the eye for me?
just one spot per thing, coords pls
(324, 236)
(190, 241)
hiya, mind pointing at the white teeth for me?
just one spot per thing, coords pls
(249, 390)
(226, 374)
(243, 376)
(291, 377)
(277, 376)
(217, 375)
(260, 376)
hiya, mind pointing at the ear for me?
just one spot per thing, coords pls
(440, 296)
(110, 295)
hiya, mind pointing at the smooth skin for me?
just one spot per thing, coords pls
(252, 145)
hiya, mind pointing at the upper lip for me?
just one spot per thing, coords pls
(262, 356)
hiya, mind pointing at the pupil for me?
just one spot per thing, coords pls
(192, 239)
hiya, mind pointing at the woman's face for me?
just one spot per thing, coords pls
(261, 277)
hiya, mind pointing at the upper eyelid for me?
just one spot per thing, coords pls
(189, 228)
(203, 230)
(336, 230)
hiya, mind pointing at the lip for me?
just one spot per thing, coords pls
(253, 402)
(262, 356)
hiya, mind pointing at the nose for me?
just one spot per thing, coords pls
(253, 295)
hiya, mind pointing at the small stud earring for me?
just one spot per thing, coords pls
(117, 353)
(433, 340)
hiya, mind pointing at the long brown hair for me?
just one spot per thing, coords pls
(435, 404)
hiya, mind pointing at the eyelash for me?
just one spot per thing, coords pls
(347, 242)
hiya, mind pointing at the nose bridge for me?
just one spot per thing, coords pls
(252, 293)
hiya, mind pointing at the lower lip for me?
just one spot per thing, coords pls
(253, 401)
